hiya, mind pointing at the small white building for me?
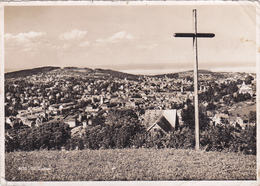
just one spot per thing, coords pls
(245, 89)
(218, 118)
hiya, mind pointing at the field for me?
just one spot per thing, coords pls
(244, 111)
(129, 164)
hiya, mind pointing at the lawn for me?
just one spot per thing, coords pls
(129, 164)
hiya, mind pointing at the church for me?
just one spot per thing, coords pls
(245, 89)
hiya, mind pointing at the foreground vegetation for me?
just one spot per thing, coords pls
(122, 129)
(129, 164)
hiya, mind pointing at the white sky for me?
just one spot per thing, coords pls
(137, 39)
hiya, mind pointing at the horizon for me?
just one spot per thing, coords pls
(136, 39)
(147, 72)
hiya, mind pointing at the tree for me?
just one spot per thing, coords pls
(240, 97)
(239, 81)
(252, 116)
(232, 87)
(189, 78)
(118, 130)
(248, 79)
(124, 125)
(50, 135)
(188, 117)
(247, 96)
(211, 106)
(11, 140)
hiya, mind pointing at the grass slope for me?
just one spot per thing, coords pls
(129, 164)
(244, 111)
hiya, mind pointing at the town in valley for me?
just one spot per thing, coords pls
(78, 96)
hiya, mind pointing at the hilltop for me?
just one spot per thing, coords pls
(71, 71)
(120, 75)
(98, 72)
(29, 72)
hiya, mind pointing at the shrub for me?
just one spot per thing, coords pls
(51, 135)
(122, 129)
(229, 138)
(188, 118)
(11, 140)
(139, 140)
(118, 130)
(181, 138)
(247, 142)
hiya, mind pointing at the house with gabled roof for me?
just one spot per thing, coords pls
(161, 120)
(71, 121)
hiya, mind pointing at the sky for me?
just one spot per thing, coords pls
(130, 38)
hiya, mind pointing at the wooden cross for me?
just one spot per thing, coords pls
(195, 35)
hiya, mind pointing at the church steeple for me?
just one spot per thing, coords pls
(182, 86)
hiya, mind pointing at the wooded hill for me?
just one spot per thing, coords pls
(111, 73)
(29, 72)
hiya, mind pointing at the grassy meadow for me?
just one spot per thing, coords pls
(128, 164)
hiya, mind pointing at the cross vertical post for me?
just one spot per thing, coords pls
(196, 99)
(195, 35)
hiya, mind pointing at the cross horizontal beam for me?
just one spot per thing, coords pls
(209, 35)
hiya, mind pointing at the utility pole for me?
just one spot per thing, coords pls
(195, 35)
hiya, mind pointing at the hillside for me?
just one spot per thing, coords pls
(111, 73)
(29, 72)
(71, 70)
(115, 164)
(120, 75)
(169, 75)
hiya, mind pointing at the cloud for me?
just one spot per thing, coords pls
(23, 37)
(146, 46)
(117, 37)
(26, 41)
(60, 47)
(66, 46)
(84, 44)
(73, 34)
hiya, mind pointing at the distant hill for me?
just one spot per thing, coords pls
(29, 72)
(170, 75)
(111, 73)
(202, 71)
(121, 75)
(189, 72)
(35, 71)
(78, 68)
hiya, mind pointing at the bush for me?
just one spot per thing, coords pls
(247, 140)
(51, 135)
(119, 130)
(188, 118)
(182, 138)
(229, 138)
(139, 140)
(216, 138)
(11, 140)
(122, 129)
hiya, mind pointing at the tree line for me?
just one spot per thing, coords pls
(124, 129)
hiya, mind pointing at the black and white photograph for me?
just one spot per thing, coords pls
(130, 91)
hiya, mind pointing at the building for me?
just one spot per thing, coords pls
(245, 89)
(220, 119)
(71, 121)
(161, 120)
